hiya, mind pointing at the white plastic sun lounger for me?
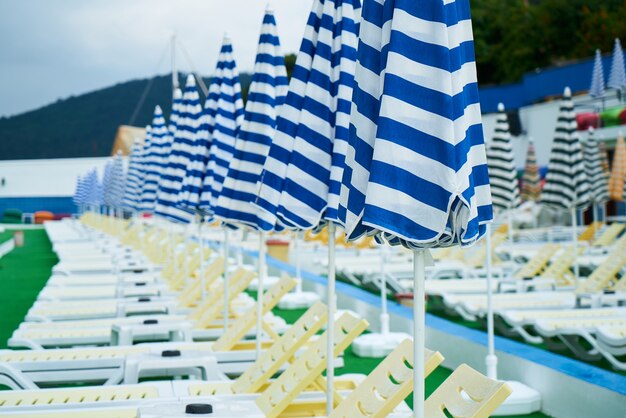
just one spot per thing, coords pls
(570, 332)
(475, 306)
(522, 321)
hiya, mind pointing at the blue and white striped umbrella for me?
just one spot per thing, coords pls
(193, 123)
(617, 76)
(94, 189)
(80, 192)
(417, 167)
(315, 170)
(597, 77)
(275, 167)
(132, 181)
(106, 182)
(154, 161)
(115, 189)
(228, 119)
(144, 167)
(178, 160)
(267, 93)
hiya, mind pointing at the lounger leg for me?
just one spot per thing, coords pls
(573, 343)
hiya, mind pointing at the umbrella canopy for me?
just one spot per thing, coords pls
(144, 166)
(267, 93)
(418, 172)
(617, 76)
(597, 77)
(191, 126)
(566, 182)
(154, 160)
(598, 180)
(228, 119)
(132, 181)
(531, 181)
(177, 161)
(618, 171)
(275, 166)
(500, 161)
(94, 189)
(80, 192)
(315, 170)
(106, 182)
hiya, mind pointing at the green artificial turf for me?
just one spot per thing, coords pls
(23, 272)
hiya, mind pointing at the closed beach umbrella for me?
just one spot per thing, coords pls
(598, 180)
(132, 181)
(617, 75)
(567, 186)
(275, 167)
(154, 161)
(268, 89)
(500, 160)
(80, 192)
(618, 171)
(228, 119)
(604, 156)
(531, 180)
(106, 181)
(597, 77)
(177, 162)
(418, 171)
(266, 94)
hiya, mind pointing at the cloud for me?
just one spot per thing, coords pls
(56, 49)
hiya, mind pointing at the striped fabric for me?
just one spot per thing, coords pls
(154, 161)
(94, 189)
(598, 180)
(144, 163)
(228, 119)
(313, 177)
(617, 76)
(597, 77)
(191, 123)
(80, 192)
(106, 182)
(618, 171)
(177, 162)
(114, 185)
(275, 166)
(501, 164)
(604, 157)
(531, 181)
(267, 93)
(566, 182)
(418, 172)
(132, 181)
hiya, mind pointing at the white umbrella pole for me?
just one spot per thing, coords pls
(330, 328)
(202, 274)
(419, 336)
(384, 315)
(259, 296)
(594, 207)
(491, 360)
(296, 256)
(226, 296)
(575, 243)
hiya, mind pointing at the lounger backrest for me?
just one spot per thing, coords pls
(192, 293)
(238, 330)
(77, 395)
(559, 268)
(308, 367)
(213, 310)
(484, 395)
(590, 232)
(387, 385)
(602, 276)
(609, 235)
(538, 262)
(215, 292)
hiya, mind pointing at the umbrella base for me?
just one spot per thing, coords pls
(298, 300)
(522, 401)
(377, 345)
(268, 282)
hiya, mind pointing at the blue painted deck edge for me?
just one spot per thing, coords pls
(576, 369)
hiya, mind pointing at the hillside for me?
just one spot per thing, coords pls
(85, 125)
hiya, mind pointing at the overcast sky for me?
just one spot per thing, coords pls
(53, 49)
